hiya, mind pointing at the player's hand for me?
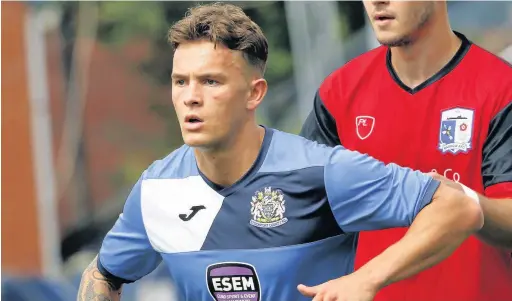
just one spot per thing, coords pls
(347, 288)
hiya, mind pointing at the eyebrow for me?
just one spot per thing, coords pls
(200, 75)
(177, 75)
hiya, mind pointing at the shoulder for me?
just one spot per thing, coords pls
(178, 164)
(489, 62)
(357, 67)
(289, 152)
(492, 74)
(346, 80)
(368, 60)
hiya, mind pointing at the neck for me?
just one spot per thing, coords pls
(432, 49)
(225, 167)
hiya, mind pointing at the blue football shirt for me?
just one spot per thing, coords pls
(293, 218)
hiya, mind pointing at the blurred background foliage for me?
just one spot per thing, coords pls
(120, 23)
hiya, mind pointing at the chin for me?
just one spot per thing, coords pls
(196, 140)
(393, 40)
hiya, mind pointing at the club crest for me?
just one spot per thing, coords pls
(364, 126)
(267, 208)
(456, 130)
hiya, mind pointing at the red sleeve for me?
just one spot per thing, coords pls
(497, 152)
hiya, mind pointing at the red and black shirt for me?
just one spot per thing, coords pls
(457, 123)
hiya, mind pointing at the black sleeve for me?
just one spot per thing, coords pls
(114, 281)
(320, 125)
(497, 149)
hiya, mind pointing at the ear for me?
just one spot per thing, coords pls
(258, 91)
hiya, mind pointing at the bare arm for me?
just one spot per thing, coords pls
(96, 287)
(496, 170)
(435, 233)
(366, 194)
(497, 229)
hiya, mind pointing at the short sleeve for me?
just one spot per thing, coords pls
(126, 252)
(497, 154)
(320, 125)
(366, 194)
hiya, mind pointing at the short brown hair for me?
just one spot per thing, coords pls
(224, 23)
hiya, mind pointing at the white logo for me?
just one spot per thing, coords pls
(233, 281)
(267, 208)
(449, 174)
(364, 126)
(455, 132)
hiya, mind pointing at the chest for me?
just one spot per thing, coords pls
(276, 210)
(436, 129)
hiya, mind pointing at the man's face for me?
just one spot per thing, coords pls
(396, 22)
(210, 89)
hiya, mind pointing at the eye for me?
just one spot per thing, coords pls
(179, 82)
(211, 82)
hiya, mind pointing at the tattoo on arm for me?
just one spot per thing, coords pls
(95, 287)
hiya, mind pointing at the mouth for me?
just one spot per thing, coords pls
(193, 119)
(193, 123)
(383, 17)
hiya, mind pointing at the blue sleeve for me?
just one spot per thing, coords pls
(366, 194)
(126, 253)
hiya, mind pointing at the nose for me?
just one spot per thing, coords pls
(378, 4)
(192, 95)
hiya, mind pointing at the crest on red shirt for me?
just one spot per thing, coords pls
(456, 130)
(364, 126)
